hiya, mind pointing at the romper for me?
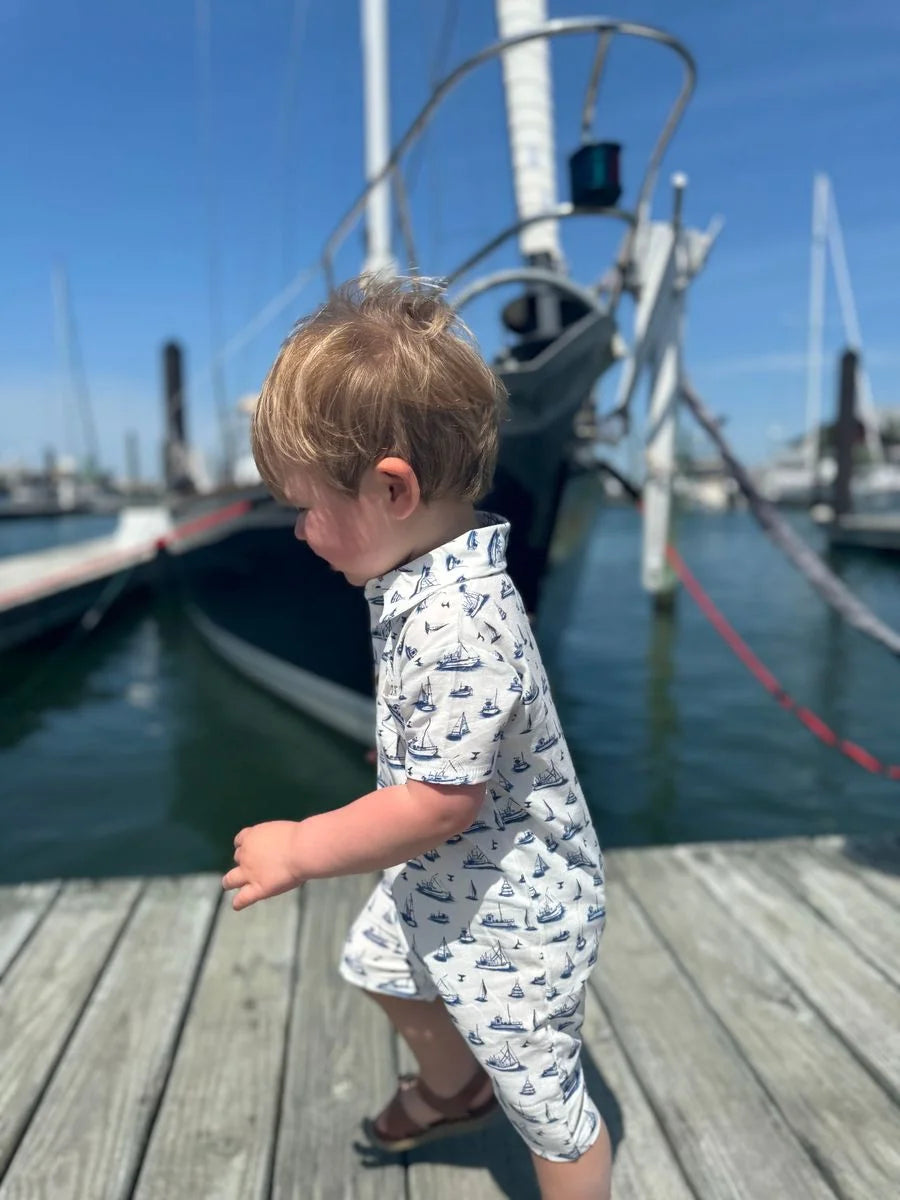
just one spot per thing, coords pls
(502, 921)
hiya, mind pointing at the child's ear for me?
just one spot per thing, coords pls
(399, 484)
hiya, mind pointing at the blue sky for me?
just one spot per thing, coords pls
(107, 169)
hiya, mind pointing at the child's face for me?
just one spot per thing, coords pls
(357, 535)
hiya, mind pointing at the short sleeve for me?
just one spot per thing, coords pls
(458, 693)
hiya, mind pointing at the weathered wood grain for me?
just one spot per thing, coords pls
(853, 997)
(43, 993)
(85, 1138)
(728, 1135)
(867, 919)
(215, 1131)
(644, 1167)
(741, 1038)
(340, 1063)
(839, 1112)
(876, 862)
(21, 907)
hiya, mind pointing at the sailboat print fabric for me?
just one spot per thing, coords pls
(503, 921)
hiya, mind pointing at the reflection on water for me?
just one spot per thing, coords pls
(134, 750)
(662, 725)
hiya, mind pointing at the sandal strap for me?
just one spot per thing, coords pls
(395, 1122)
(454, 1107)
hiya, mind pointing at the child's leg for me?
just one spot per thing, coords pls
(446, 1064)
(588, 1178)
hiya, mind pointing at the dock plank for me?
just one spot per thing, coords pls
(838, 1111)
(340, 1062)
(215, 1130)
(729, 1137)
(866, 919)
(644, 1167)
(740, 1038)
(86, 1137)
(43, 993)
(877, 864)
(852, 996)
(21, 907)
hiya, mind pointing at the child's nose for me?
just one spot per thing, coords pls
(299, 527)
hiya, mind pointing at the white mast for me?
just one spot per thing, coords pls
(70, 351)
(373, 24)
(529, 114)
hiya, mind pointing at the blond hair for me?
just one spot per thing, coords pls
(384, 367)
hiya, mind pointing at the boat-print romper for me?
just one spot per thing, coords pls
(503, 921)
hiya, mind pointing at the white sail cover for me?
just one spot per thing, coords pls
(529, 114)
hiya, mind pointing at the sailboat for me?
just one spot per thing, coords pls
(448, 995)
(545, 743)
(255, 596)
(461, 691)
(477, 860)
(421, 746)
(506, 1061)
(474, 602)
(570, 829)
(459, 659)
(490, 707)
(396, 757)
(475, 1038)
(578, 858)
(552, 777)
(507, 1023)
(550, 910)
(494, 960)
(497, 920)
(425, 702)
(443, 951)
(459, 729)
(433, 890)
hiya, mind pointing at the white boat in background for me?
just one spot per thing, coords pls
(803, 472)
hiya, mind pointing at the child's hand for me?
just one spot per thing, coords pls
(266, 862)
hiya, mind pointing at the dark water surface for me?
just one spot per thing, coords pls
(134, 750)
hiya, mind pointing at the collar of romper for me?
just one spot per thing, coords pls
(473, 555)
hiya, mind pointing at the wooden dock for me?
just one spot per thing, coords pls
(743, 1038)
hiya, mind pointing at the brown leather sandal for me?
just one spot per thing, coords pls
(394, 1130)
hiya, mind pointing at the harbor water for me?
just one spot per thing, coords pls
(132, 749)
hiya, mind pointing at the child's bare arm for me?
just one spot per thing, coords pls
(380, 829)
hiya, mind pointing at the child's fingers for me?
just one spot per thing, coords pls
(247, 895)
(235, 878)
